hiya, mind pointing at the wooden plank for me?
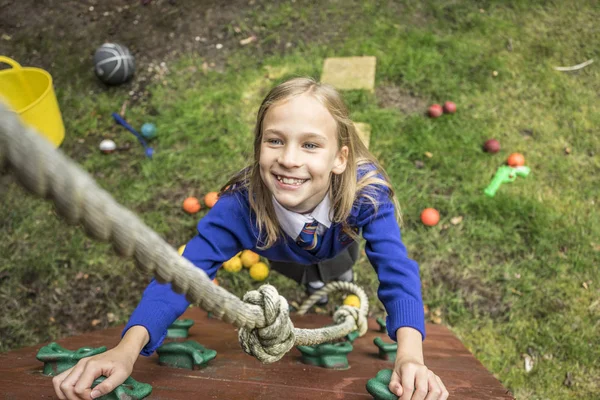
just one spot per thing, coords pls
(234, 373)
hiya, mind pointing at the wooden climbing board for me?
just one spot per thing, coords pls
(236, 375)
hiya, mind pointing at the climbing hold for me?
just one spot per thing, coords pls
(128, 390)
(188, 355)
(387, 351)
(57, 359)
(351, 337)
(179, 329)
(378, 386)
(328, 355)
(382, 325)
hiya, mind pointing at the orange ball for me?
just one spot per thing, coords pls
(211, 199)
(430, 217)
(516, 160)
(191, 205)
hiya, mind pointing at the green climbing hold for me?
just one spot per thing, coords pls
(382, 325)
(188, 355)
(128, 390)
(57, 359)
(378, 387)
(351, 337)
(179, 329)
(327, 355)
(387, 351)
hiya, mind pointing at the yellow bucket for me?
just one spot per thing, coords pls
(29, 92)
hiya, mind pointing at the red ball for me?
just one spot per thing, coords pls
(492, 146)
(449, 107)
(430, 217)
(435, 111)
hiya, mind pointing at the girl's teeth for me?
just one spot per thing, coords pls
(290, 181)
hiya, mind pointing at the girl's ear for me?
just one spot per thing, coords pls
(341, 161)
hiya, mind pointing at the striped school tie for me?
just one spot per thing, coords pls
(308, 238)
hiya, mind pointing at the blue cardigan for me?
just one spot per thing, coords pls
(230, 226)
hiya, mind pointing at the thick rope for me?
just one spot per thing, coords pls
(266, 330)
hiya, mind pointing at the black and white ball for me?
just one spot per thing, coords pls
(113, 63)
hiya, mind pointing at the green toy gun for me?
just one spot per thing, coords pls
(505, 174)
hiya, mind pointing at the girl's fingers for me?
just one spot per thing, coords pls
(67, 384)
(445, 393)
(109, 384)
(421, 384)
(408, 383)
(395, 386)
(435, 390)
(83, 387)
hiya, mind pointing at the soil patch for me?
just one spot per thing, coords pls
(393, 96)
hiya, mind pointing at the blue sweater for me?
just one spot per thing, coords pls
(230, 226)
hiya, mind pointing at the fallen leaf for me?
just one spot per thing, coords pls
(456, 220)
(248, 40)
(585, 285)
(52, 320)
(595, 246)
(95, 322)
(436, 320)
(111, 317)
(567, 150)
(79, 276)
(419, 164)
(568, 382)
(428, 154)
(528, 362)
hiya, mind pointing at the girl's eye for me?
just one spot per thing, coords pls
(310, 146)
(273, 141)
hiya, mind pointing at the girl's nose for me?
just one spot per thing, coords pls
(289, 158)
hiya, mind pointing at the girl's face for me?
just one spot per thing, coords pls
(299, 152)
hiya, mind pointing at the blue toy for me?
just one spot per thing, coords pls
(119, 120)
(149, 130)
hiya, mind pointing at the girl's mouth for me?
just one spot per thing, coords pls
(289, 181)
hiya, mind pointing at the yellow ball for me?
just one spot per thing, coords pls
(181, 249)
(238, 254)
(259, 271)
(249, 258)
(352, 300)
(233, 265)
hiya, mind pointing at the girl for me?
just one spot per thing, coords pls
(312, 188)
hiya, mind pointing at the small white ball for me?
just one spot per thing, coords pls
(107, 146)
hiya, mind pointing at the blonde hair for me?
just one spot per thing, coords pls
(344, 189)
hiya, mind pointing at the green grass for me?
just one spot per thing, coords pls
(508, 279)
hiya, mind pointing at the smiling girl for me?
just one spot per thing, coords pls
(311, 190)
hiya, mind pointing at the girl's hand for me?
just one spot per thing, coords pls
(75, 383)
(412, 380)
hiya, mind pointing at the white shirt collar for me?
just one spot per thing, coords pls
(293, 222)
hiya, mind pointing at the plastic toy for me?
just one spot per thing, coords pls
(449, 107)
(505, 174)
(249, 258)
(113, 64)
(259, 271)
(378, 387)
(210, 199)
(435, 111)
(107, 146)
(149, 130)
(149, 151)
(57, 359)
(430, 216)
(188, 355)
(191, 205)
(491, 146)
(516, 160)
(352, 300)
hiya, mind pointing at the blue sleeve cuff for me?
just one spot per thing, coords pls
(405, 313)
(157, 315)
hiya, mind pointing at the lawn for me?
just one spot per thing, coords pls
(515, 277)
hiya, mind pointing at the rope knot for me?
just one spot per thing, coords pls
(269, 343)
(359, 317)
